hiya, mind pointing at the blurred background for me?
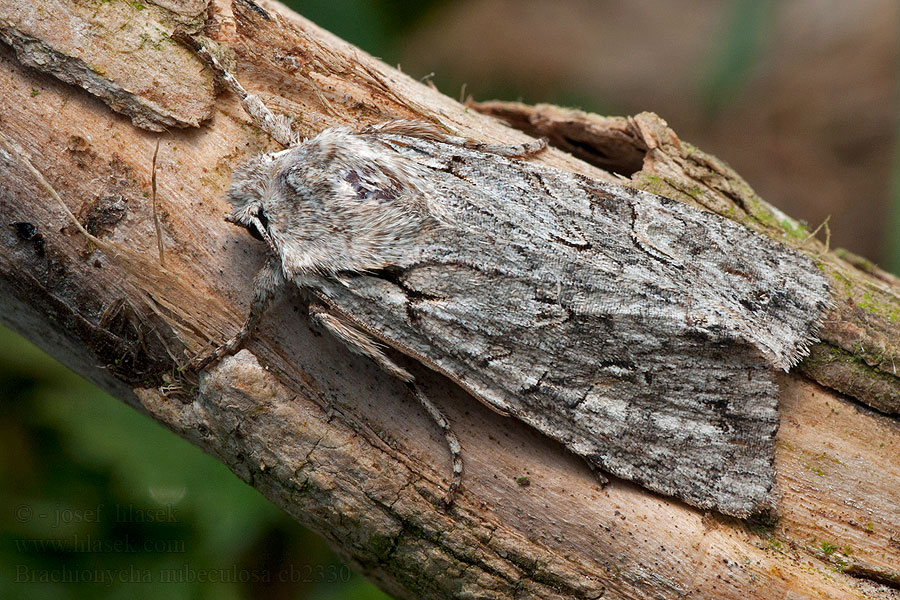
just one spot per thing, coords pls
(800, 97)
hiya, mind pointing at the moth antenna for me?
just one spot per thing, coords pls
(277, 126)
(507, 150)
(429, 131)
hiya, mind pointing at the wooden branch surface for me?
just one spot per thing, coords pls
(338, 444)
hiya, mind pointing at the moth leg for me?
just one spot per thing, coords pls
(268, 284)
(360, 343)
(277, 126)
(598, 473)
(357, 341)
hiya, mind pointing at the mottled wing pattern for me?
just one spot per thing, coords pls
(640, 332)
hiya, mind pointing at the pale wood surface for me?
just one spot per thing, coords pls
(338, 444)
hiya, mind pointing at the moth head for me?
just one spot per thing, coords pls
(247, 194)
(337, 202)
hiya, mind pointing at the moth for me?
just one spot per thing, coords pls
(641, 333)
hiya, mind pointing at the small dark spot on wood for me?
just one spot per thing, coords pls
(28, 232)
(24, 229)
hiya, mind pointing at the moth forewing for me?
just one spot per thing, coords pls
(640, 332)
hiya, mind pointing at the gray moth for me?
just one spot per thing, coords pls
(641, 333)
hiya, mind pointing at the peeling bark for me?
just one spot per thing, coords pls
(338, 444)
(121, 52)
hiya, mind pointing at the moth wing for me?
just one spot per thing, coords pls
(639, 332)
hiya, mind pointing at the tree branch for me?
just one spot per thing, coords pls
(324, 434)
